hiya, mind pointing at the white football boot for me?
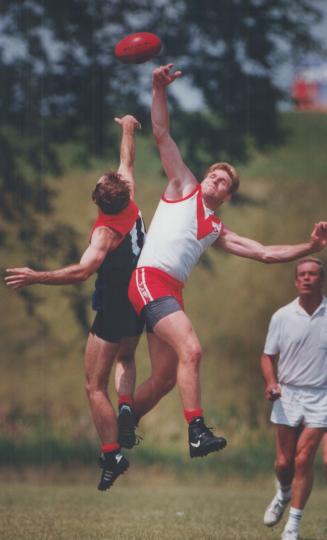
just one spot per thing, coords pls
(275, 510)
(289, 534)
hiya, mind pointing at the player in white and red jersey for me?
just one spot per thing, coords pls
(183, 226)
(115, 244)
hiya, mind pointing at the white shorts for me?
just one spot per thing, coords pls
(300, 405)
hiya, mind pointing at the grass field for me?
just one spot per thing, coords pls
(147, 507)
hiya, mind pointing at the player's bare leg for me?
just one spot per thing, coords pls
(176, 330)
(324, 453)
(125, 372)
(286, 441)
(99, 357)
(162, 379)
(306, 448)
(125, 376)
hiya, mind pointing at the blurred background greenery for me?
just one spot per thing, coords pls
(60, 89)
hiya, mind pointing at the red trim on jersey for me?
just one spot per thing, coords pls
(121, 223)
(148, 284)
(205, 225)
(163, 198)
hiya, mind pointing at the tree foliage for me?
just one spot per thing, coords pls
(230, 50)
(60, 80)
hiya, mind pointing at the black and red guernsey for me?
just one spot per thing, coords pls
(115, 316)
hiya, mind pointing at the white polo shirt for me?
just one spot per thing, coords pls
(300, 340)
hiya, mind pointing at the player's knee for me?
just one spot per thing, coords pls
(195, 353)
(163, 383)
(303, 460)
(93, 388)
(168, 384)
(87, 388)
(127, 358)
(283, 464)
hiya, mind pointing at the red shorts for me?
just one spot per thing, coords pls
(148, 284)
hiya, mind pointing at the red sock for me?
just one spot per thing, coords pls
(111, 447)
(190, 414)
(125, 398)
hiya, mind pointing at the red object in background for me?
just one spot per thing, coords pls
(138, 48)
(305, 94)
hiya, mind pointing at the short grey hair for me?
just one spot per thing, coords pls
(314, 260)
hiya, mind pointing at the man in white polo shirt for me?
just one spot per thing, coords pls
(298, 335)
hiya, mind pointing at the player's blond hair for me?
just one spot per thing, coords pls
(231, 171)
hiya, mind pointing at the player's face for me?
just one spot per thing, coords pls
(216, 186)
(308, 279)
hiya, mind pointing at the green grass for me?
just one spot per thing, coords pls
(254, 459)
(155, 509)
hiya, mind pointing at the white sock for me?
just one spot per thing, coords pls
(294, 519)
(284, 492)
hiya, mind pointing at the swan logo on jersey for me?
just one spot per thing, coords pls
(206, 225)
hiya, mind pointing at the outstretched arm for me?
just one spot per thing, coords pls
(245, 247)
(127, 150)
(103, 240)
(181, 180)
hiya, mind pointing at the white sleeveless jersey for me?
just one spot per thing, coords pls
(179, 233)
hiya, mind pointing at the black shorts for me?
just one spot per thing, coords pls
(116, 318)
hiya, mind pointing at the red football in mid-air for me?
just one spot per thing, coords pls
(137, 48)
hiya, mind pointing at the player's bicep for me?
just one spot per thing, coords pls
(103, 240)
(239, 245)
(92, 259)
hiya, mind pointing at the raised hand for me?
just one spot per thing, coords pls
(318, 236)
(162, 76)
(128, 120)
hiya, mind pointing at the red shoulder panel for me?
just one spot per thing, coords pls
(122, 222)
(205, 225)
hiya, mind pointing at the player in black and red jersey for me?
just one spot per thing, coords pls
(116, 241)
